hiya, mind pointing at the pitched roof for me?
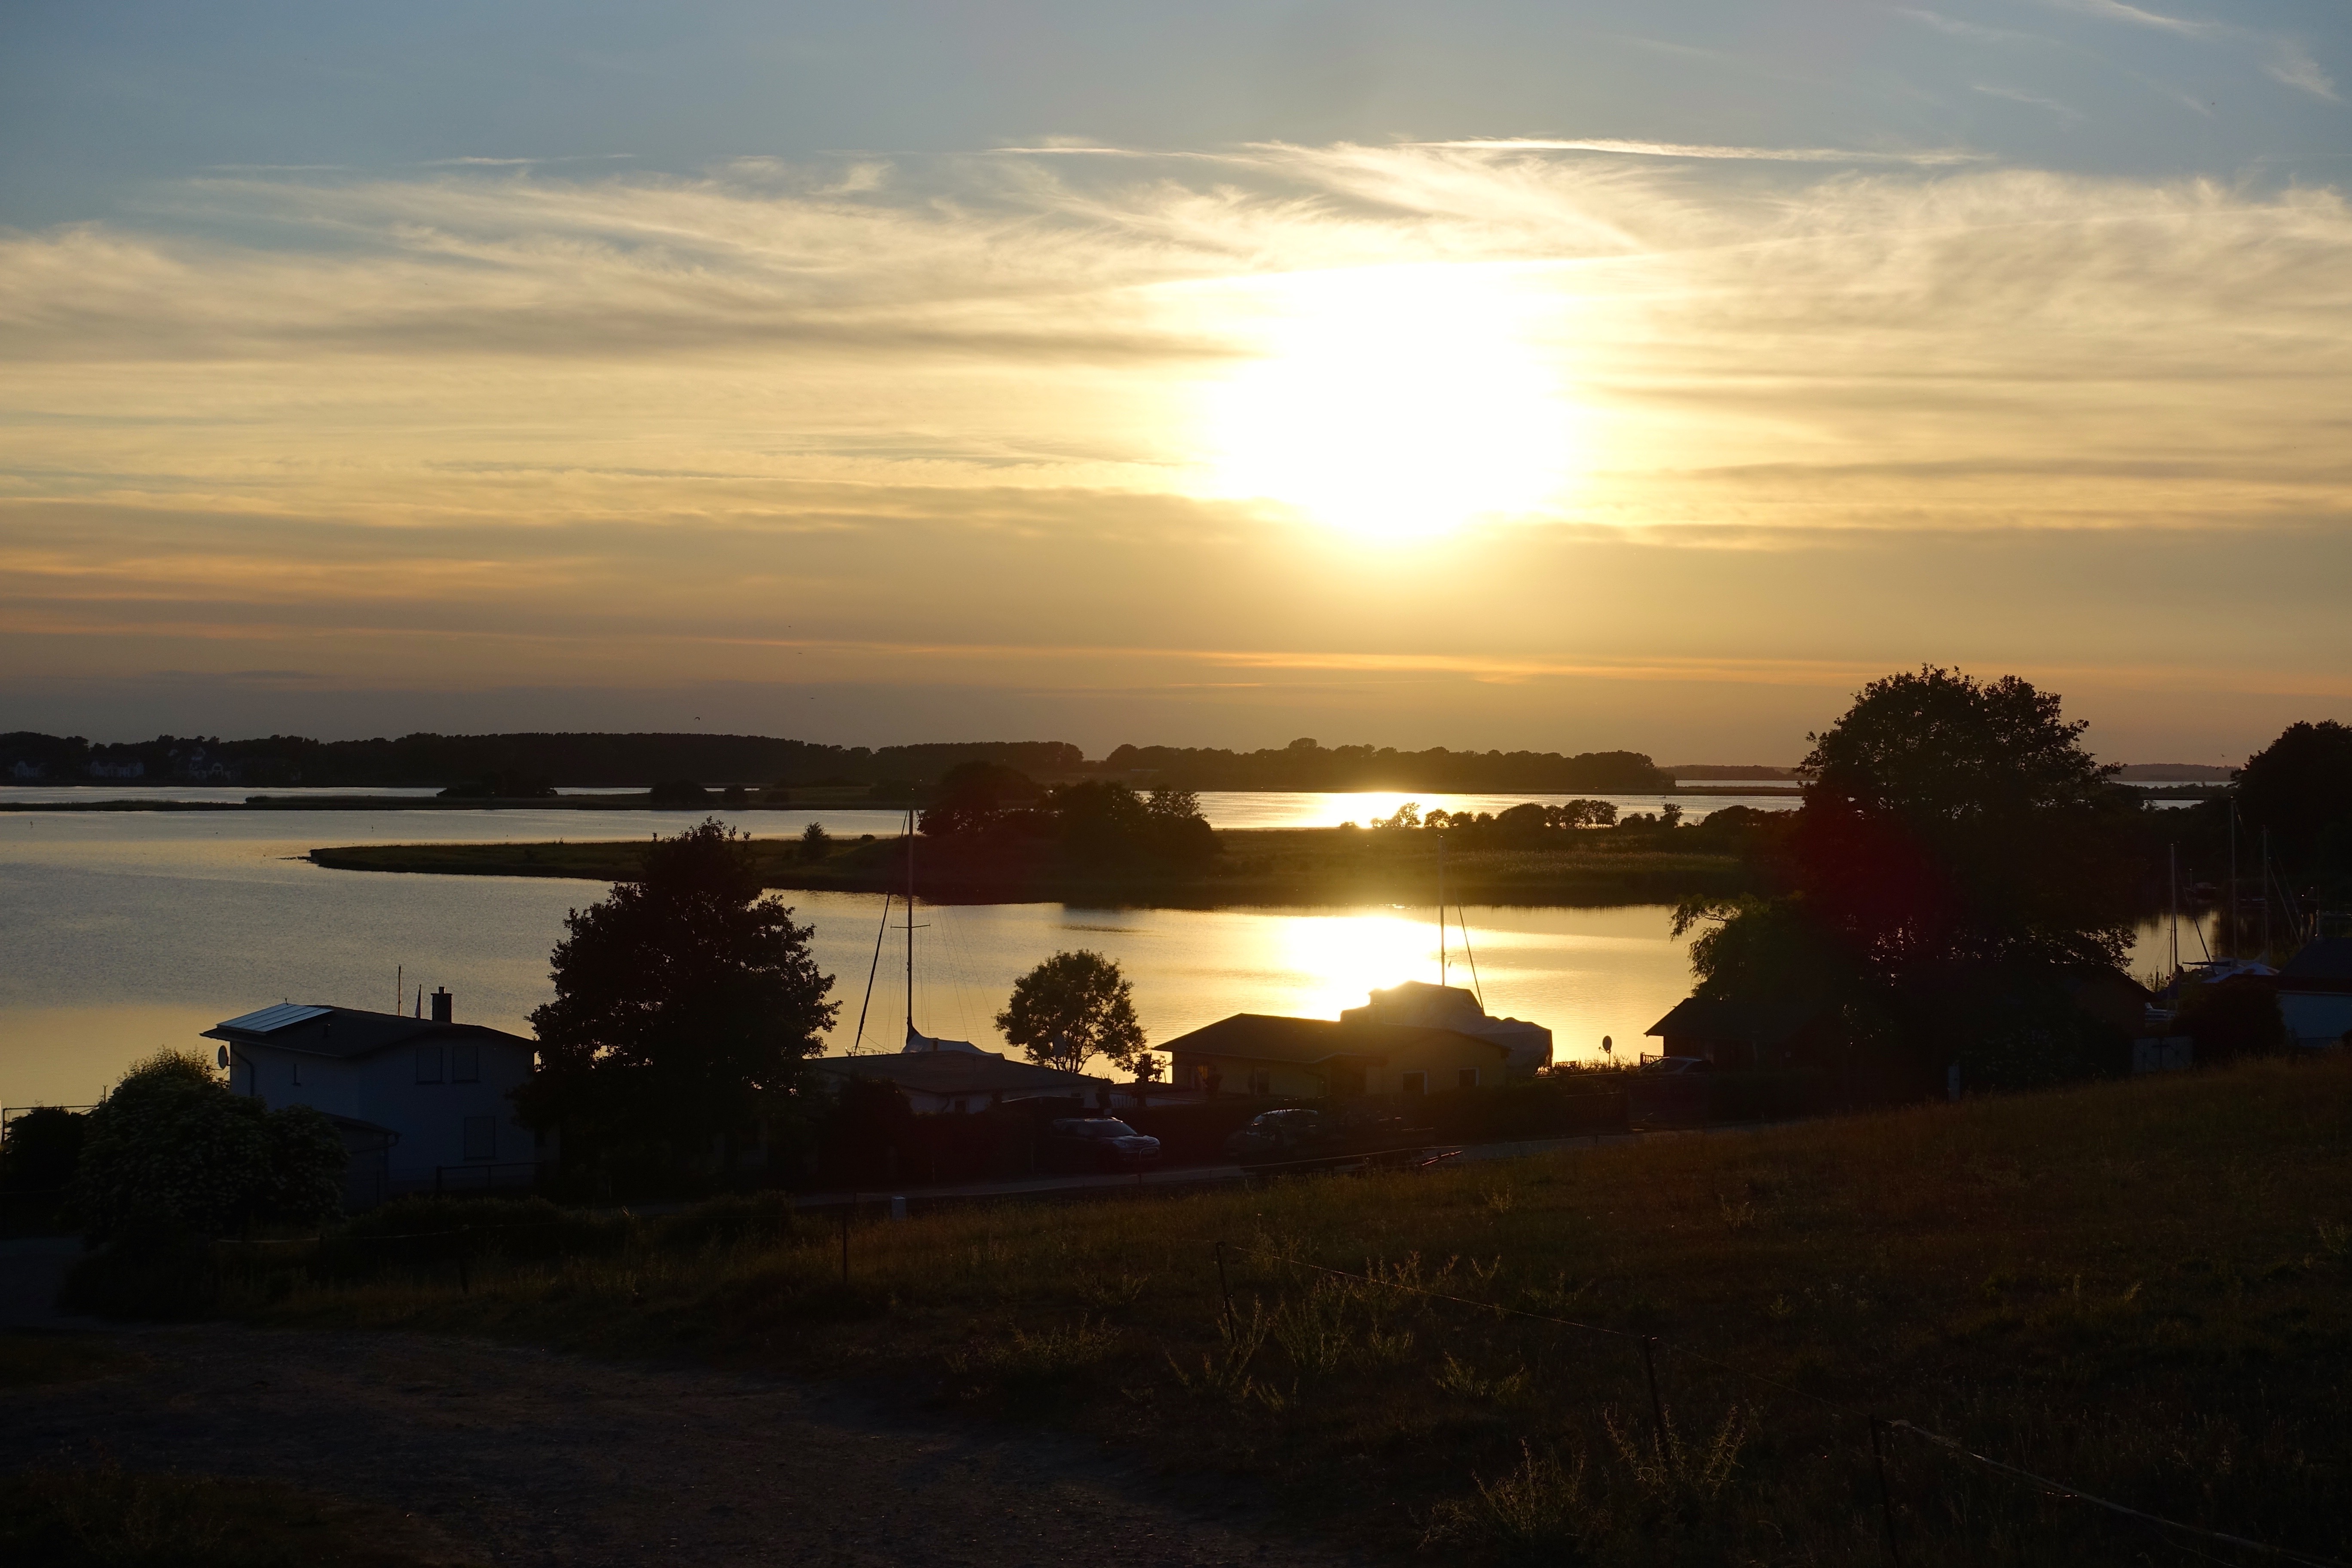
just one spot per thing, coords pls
(1268, 1037)
(2327, 959)
(1753, 1023)
(957, 1072)
(347, 1034)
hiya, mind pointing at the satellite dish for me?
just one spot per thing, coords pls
(223, 1055)
(1607, 1045)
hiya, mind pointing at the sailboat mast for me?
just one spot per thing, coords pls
(1440, 908)
(910, 922)
(2172, 880)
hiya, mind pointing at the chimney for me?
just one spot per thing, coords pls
(441, 1001)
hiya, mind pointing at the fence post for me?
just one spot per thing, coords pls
(1658, 1409)
(1886, 1498)
(845, 1241)
(1223, 1289)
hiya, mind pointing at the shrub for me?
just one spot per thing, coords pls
(171, 1152)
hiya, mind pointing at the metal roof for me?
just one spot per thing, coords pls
(277, 1018)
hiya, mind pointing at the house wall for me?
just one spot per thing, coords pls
(2316, 1017)
(1442, 1059)
(430, 1117)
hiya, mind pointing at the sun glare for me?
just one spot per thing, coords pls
(1393, 403)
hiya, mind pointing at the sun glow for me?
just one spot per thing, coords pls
(1394, 403)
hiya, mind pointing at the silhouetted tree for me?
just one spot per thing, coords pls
(684, 1002)
(1957, 856)
(1071, 1008)
(2300, 787)
(170, 1153)
(1952, 821)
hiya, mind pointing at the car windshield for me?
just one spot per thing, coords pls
(1105, 1130)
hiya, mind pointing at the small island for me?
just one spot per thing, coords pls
(1250, 866)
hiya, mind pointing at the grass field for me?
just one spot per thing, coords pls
(101, 1516)
(2141, 1288)
(1255, 865)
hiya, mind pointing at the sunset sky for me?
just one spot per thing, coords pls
(1555, 375)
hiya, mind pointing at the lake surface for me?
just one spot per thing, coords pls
(122, 932)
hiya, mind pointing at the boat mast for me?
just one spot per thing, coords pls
(2234, 881)
(910, 922)
(1440, 908)
(2172, 880)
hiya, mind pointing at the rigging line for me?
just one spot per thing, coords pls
(871, 971)
(2078, 1495)
(1463, 925)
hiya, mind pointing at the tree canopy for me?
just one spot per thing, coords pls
(1074, 1007)
(170, 1152)
(2300, 787)
(1958, 859)
(1955, 821)
(683, 1002)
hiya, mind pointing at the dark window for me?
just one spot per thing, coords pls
(428, 1064)
(1467, 1079)
(481, 1138)
(1415, 1083)
(465, 1063)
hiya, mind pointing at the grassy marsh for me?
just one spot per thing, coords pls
(2138, 1287)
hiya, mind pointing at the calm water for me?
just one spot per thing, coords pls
(122, 932)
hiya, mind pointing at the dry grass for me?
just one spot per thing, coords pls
(101, 1516)
(2143, 1288)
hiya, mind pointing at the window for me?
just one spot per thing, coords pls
(298, 1072)
(428, 1064)
(1413, 1082)
(465, 1063)
(481, 1138)
(1261, 1083)
(1467, 1079)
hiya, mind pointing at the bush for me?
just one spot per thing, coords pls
(171, 1152)
(410, 1232)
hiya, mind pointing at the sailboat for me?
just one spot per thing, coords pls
(1448, 1006)
(914, 1041)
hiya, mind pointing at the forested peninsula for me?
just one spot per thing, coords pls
(1641, 861)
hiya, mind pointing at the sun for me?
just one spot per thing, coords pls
(1391, 403)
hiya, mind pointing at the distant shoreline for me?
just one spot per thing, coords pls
(1262, 867)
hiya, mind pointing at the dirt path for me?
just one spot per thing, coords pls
(525, 1456)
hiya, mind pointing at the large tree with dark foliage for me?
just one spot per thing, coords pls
(684, 1004)
(1959, 860)
(1952, 821)
(2299, 787)
(1074, 1007)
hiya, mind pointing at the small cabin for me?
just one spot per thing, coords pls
(1322, 1059)
(423, 1104)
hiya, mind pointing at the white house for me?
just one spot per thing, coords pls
(1418, 1005)
(2314, 993)
(422, 1103)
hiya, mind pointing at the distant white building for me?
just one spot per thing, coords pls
(1419, 1004)
(422, 1103)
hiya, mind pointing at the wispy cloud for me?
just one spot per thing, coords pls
(500, 421)
(1932, 157)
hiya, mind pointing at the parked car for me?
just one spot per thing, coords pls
(1097, 1143)
(1302, 1140)
(1273, 1133)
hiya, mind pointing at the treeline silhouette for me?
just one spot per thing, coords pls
(525, 763)
(528, 764)
(1305, 764)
